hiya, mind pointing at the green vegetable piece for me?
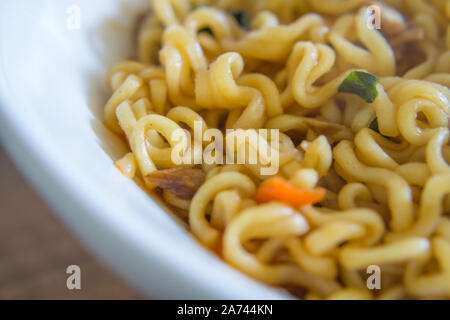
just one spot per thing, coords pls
(361, 83)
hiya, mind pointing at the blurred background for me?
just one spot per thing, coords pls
(36, 249)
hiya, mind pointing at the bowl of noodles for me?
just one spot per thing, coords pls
(242, 149)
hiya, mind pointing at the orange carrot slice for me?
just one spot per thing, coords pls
(279, 189)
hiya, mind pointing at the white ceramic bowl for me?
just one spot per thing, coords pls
(52, 92)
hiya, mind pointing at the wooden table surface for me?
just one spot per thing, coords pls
(35, 249)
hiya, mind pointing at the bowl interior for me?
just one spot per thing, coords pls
(53, 59)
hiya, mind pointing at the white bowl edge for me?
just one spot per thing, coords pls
(138, 249)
